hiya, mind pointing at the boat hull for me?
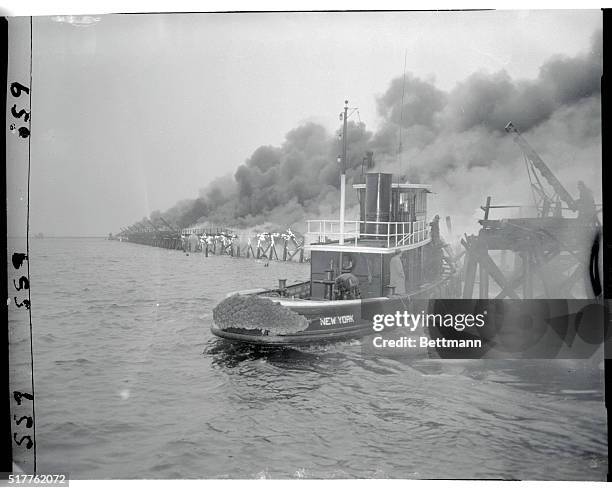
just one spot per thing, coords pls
(306, 338)
(331, 321)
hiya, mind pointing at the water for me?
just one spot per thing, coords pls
(131, 384)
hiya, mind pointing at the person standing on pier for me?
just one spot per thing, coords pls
(435, 230)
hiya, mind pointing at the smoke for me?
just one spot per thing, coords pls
(453, 140)
(279, 185)
(456, 141)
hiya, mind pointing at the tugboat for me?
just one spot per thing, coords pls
(378, 264)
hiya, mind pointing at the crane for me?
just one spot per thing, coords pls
(151, 223)
(534, 162)
(166, 223)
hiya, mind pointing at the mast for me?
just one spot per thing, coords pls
(343, 175)
(399, 148)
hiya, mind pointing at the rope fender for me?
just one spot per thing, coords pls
(257, 313)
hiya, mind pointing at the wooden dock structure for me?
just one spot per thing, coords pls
(284, 247)
(552, 257)
(161, 235)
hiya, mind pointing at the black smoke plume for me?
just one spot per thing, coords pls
(453, 140)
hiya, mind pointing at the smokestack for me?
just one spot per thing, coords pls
(377, 203)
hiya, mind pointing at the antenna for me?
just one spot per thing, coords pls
(344, 115)
(399, 149)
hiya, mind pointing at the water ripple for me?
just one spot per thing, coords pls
(131, 384)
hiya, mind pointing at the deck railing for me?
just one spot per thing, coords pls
(392, 233)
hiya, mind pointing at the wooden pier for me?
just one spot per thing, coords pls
(536, 257)
(161, 235)
(284, 247)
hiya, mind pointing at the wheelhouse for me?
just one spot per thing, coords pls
(388, 248)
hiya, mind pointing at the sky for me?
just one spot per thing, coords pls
(132, 113)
